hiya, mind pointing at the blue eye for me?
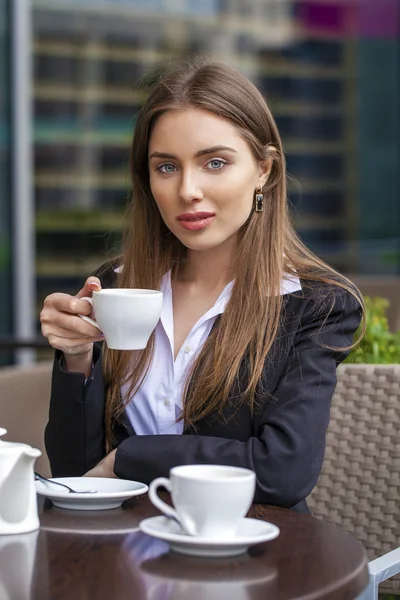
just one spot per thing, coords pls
(216, 164)
(166, 168)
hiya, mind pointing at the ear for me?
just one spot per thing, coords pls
(265, 167)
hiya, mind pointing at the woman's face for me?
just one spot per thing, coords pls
(203, 176)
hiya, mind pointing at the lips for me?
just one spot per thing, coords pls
(198, 216)
(196, 221)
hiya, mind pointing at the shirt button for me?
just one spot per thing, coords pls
(188, 349)
(167, 402)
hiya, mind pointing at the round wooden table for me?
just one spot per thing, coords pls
(100, 555)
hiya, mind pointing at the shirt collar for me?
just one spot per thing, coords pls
(289, 285)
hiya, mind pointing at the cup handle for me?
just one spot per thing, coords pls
(88, 319)
(167, 510)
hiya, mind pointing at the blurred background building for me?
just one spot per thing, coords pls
(70, 73)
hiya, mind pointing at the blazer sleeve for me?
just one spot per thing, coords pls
(288, 449)
(74, 435)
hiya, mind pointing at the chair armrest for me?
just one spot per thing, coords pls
(385, 566)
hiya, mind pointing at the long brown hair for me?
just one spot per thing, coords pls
(268, 247)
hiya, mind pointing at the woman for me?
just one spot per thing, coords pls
(241, 367)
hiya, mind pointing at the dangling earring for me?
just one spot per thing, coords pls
(259, 199)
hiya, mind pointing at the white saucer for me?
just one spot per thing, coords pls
(110, 493)
(83, 531)
(250, 532)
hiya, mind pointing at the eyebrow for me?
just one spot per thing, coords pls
(199, 153)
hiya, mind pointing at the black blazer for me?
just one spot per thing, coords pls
(283, 441)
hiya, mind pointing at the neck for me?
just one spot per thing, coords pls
(209, 268)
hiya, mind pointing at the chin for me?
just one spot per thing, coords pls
(201, 244)
(201, 240)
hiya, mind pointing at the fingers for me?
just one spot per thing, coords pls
(67, 304)
(92, 284)
(66, 325)
(61, 323)
(66, 334)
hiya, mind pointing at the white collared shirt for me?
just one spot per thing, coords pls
(158, 403)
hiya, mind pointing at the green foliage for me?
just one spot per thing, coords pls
(379, 345)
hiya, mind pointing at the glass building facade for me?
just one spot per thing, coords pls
(328, 68)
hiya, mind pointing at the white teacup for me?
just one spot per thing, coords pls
(209, 500)
(126, 316)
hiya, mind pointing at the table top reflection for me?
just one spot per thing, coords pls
(103, 555)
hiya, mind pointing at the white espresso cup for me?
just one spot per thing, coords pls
(125, 316)
(209, 500)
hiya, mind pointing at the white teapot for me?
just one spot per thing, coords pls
(18, 504)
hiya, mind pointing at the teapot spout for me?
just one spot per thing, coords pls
(32, 453)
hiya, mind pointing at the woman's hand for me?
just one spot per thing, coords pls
(66, 331)
(105, 468)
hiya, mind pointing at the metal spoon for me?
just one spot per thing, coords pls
(71, 491)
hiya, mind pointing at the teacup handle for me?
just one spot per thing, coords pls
(88, 319)
(156, 500)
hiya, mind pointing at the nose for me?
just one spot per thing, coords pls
(189, 189)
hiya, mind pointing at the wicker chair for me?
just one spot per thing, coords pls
(359, 487)
(24, 407)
